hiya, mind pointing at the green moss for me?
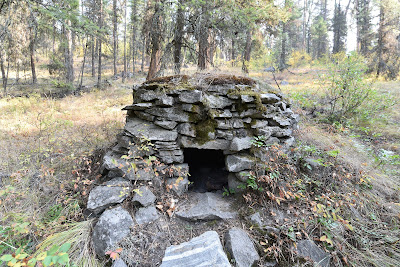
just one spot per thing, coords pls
(203, 128)
(242, 106)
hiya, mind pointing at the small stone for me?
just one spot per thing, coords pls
(169, 125)
(112, 226)
(146, 95)
(146, 215)
(119, 263)
(229, 124)
(226, 113)
(247, 98)
(235, 185)
(280, 121)
(307, 249)
(178, 185)
(143, 196)
(108, 194)
(138, 106)
(170, 156)
(239, 144)
(191, 108)
(146, 174)
(165, 101)
(144, 116)
(218, 102)
(204, 250)
(190, 97)
(172, 114)
(243, 176)
(241, 248)
(256, 220)
(186, 129)
(269, 98)
(235, 163)
(259, 124)
(228, 135)
(160, 145)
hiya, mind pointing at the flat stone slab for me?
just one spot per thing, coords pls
(108, 194)
(236, 163)
(112, 226)
(205, 250)
(206, 206)
(140, 128)
(241, 248)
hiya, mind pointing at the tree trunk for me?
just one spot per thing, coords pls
(3, 72)
(68, 55)
(115, 37)
(180, 21)
(33, 36)
(100, 22)
(83, 65)
(381, 63)
(155, 36)
(125, 62)
(247, 52)
(93, 57)
(202, 40)
(143, 54)
(134, 30)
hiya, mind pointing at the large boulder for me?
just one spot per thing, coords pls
(204, 250)
(146, 215)
(236, 163)
(143, 196)
(112, 226)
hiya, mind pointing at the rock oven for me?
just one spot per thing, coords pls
(197, 132)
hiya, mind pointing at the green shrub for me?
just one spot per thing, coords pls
(347, 88)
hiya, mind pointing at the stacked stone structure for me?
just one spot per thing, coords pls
(222, 112)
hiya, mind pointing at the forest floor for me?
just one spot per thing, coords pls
(50, 148)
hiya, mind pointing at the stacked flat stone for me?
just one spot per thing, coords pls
(221, 112)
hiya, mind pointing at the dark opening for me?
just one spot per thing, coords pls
(207, 169)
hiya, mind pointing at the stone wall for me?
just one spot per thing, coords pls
(221, 112)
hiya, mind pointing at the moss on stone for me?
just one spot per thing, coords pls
(242, 106)
(203, 129)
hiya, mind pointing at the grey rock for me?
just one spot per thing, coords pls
(144, 116)
(241, 248)
(205, 250)
(219, 102)
(272, 263)
(170, 156)
(160, 145)
(112, 226)
(307, 249)
(259, 124)
(142, 174)
(119, 263)
(229, 124)
(166, 101)
(221, 89)
(146, 215)
(288, 142)
(228, 135)
(226, 113)
(143, 196)
(239, 144)
(205, 207)
(191, 108)
(108, 194)
(235, 185)
(247, 120)
(111, 162)
(178, 185)
(191, 97)
(147, 95)
(217, 144)
(256, 220)
(269, 98)
(243, 175)
(169, 125)
(254, 113)
(172, 114)
(280, 121)
(281, 105)
(247, 98)
(236, 163)
(139, 128)
(138, 106)
(186, 129)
